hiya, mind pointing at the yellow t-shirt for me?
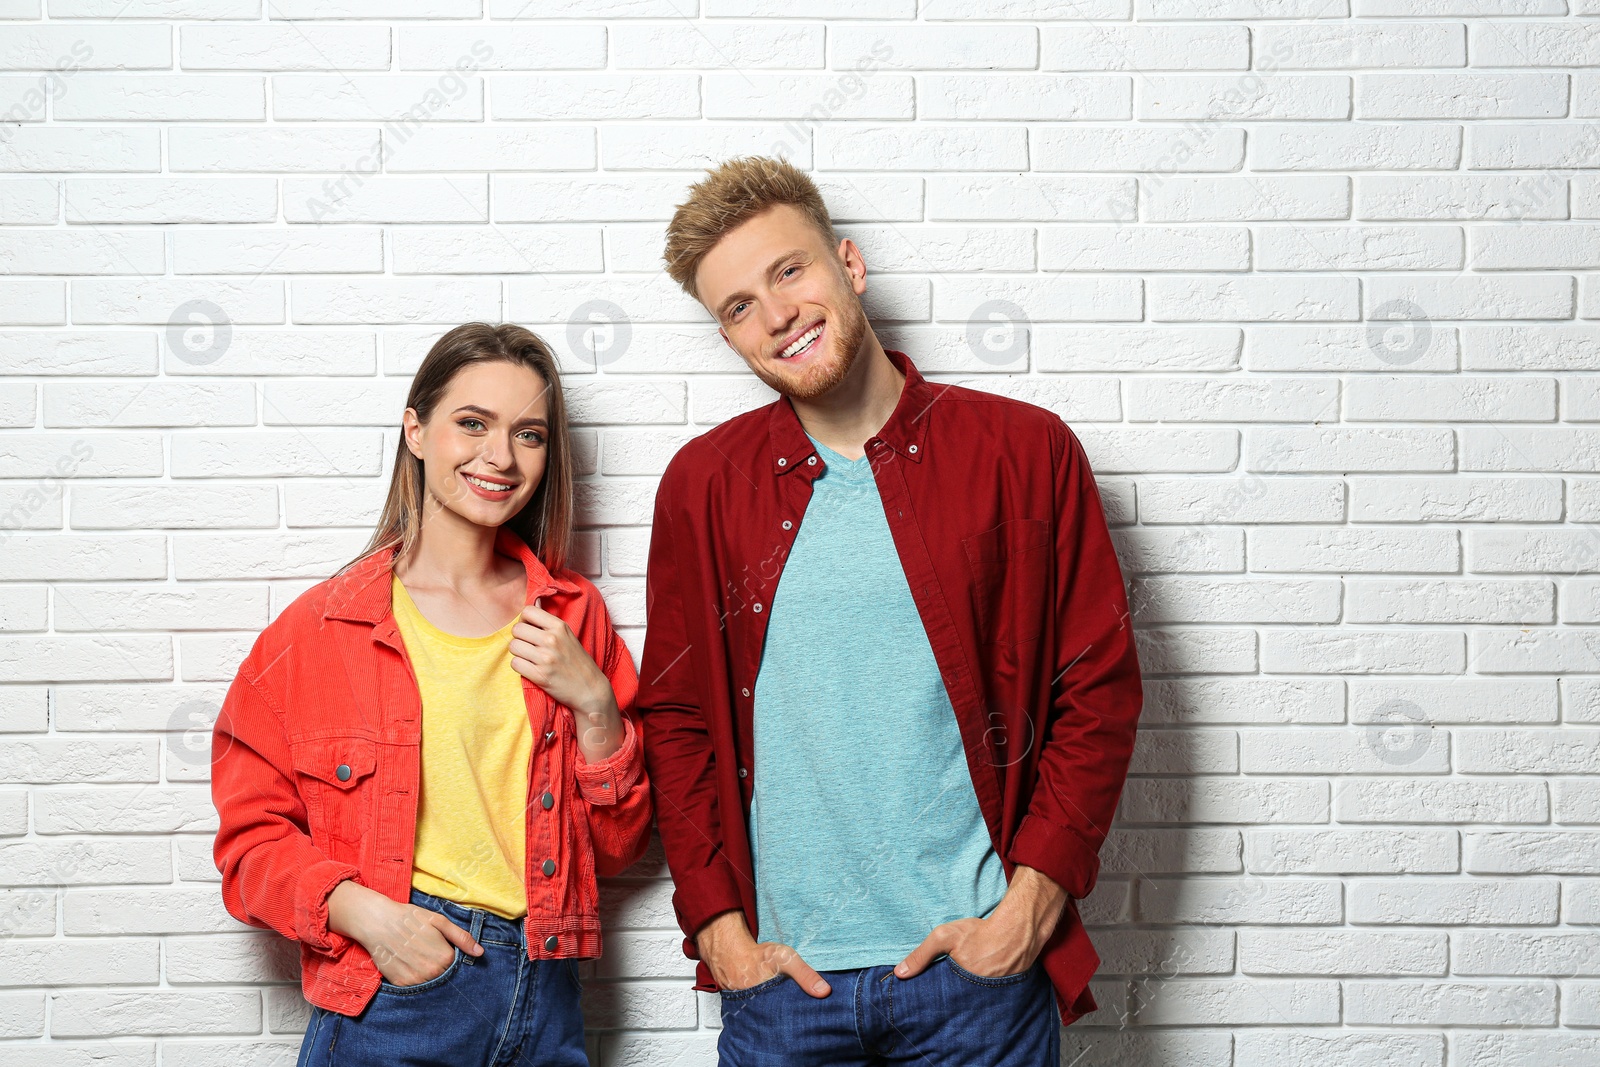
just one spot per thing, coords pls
(476, 743)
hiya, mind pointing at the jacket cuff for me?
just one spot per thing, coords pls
(1058, 853)
(701, 895)
(608, 781)
(311, 916)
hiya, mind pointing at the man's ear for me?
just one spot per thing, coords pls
(855, 265)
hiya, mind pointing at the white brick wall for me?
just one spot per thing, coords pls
(1316, 281)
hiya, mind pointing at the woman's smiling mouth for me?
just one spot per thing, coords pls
(484, 487)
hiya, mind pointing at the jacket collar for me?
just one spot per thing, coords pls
(906, 432)
(363, 593)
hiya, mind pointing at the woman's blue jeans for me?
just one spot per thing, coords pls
(493, 1010)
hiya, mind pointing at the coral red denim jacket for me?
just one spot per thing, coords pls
(315, 775)
(999, 527)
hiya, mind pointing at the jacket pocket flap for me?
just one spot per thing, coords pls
(340, 761)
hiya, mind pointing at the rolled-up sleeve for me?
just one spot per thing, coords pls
(1095, 702)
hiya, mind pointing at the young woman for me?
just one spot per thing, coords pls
(426, 760)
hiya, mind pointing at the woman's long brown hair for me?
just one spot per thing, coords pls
(545, 522)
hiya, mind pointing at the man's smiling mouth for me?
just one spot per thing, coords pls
(803, 343)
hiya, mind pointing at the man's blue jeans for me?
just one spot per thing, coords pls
(493, 1010)
(944, 1017)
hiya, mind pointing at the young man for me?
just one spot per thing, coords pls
(889, 688)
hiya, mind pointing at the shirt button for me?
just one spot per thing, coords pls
(744, 772)
(787, 525)
(912, 450)
(548, 801)
(550, 943)
(549, 868)
(746, 692)
(756, 608)
(812, 461)
(782, 462)
(343, 772)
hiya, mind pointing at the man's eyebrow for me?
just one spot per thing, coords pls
(486, 413)
(741, 294)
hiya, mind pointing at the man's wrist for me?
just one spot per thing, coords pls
(1034, 899)
(720, 930)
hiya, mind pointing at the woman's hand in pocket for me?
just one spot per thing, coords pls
(408, 944)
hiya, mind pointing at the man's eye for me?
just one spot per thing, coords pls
(788, 269)
(735, 312)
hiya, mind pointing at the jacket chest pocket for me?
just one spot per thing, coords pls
(1011, 572)
(335, 776)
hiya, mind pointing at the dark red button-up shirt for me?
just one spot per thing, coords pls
(999, 527)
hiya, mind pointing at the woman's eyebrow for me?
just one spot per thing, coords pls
(531, 420)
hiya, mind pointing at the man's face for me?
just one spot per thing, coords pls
(786, 301)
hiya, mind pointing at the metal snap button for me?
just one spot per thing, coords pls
(549, 868)
(550, 943)
(343, 772)
(548, 801)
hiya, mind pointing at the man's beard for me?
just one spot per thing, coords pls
(844, 337)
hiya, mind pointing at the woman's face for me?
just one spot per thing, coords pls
(484, 450)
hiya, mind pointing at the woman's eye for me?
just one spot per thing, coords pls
(475, 423)
(533, 437)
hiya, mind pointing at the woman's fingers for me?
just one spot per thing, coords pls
(457, 936)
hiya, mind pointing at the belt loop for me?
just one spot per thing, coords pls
(476, 931)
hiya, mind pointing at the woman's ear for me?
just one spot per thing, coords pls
(411, 431)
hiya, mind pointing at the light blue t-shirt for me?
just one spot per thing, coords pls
(864, 827)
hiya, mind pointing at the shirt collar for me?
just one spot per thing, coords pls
(362, 593)
(906, 432)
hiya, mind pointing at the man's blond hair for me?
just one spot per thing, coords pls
(730, 194)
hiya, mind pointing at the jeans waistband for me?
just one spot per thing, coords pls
(479, 923)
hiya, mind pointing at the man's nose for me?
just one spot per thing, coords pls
(780, 317)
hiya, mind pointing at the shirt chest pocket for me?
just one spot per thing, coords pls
(335, 776)
(1010, 565)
